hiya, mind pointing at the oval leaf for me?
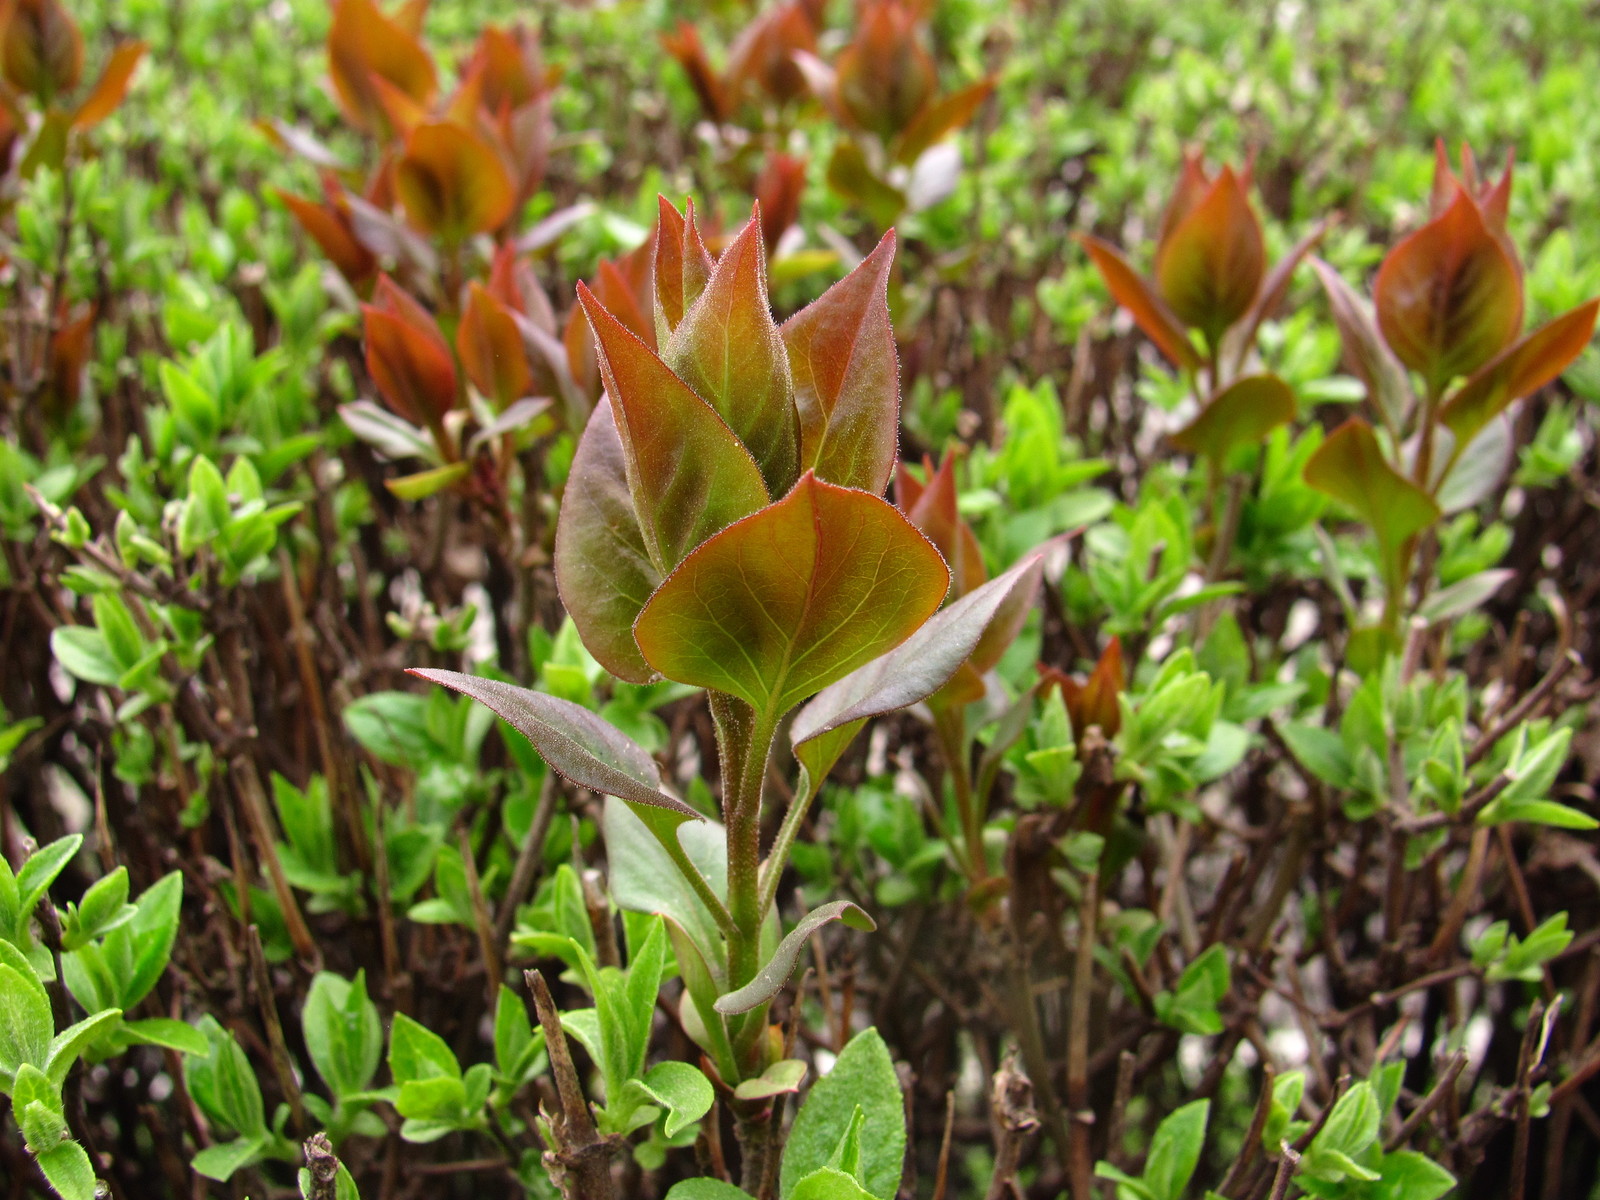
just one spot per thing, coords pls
(780, 605)
(1242, 413)
(1148, 309)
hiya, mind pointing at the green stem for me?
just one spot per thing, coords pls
(744, 739)
(778, 857)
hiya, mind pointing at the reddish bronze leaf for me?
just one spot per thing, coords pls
(451, 182)
(885, 75)
(1148, 309)
(1365, 352)
(490, 346)
(111, 87)
(682, 266)
(847, 376)
(778, 189)
(940, 118)
(363, 43)
(1209, 266)
(728, 349)
(1518, 371)
(330, 227)
(407, 356)
(684, 45)
(41, 50)
(1449, 296)
(603, 571)
(931, 507)
(778, 606)
(762, 56)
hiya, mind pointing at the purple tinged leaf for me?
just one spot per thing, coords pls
(603, 569)
(578, 745)
(1365, 351)
(914, 670)
(847, 377)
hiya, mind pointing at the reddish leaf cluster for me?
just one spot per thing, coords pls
(760, 64)
(1210, 275)
(723, 524)
(452, 166)
(1448, 305)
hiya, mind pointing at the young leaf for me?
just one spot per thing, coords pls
(682, 266)
(775, 973)
(66, 1165)
(1175, 1150)
(847, 377)
(1241, 414)
(343, 1033)
(1518, 371)
(863, 1076)
(778, 606)
(728, 349)
(706, 1189)
(26, 1025)
(1149, 310)
(603, 569)
(1210, 262)
(912, 671)
(1449, 296)
(580, 746)
(683, 1091)
(689, 476)
(416, 1053)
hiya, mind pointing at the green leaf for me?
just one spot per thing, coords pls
(69, 1171)
(780, 605)
(1461, 598)
(779, 1079)
(683, 1091)
(1351, 1128)
(776, 971)
(644, 879)
(343, 1032)
(417, 1053)
(579, 745)
(221, 1161)
(1411, 1176)
(422, 484)
(26, 1025)
(1320, 751)
(706, 1189)
(1350, 467)
(689, 475)
(84, 654)
(1175, 1150)
(41, 869)
(70, 1042)
(862, 1076)
(1241, 414)
(830, 1183)
(165, 1032)
(103, 906)
(224, 1085)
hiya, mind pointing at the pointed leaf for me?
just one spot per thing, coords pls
(111, 87)
(490, 345)
(1365, 351)
(1148, 309)
(1241, 337)
(603, 569)
(683, 1091)
(682, 266)
(1518, 371)
(915, 669)
(775, 973)
(1449, 296)
(728, 349)
(364, 43)
(1210, 264)
(407, 356)
(580, 746)
(847, 377)
(944, 115)
(1241, 414)
(1350, 467)
(690, 477)
(863, 1076)
(778, 606)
